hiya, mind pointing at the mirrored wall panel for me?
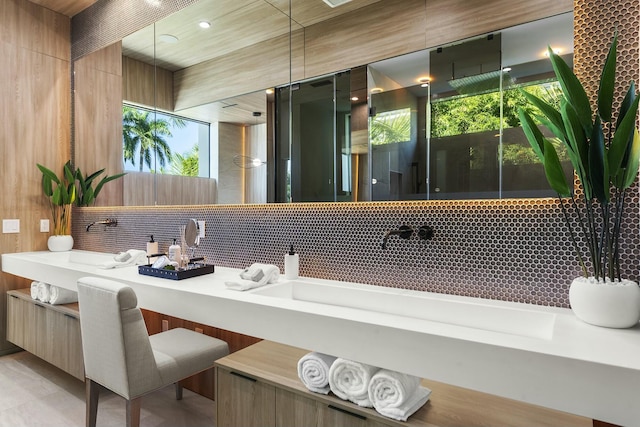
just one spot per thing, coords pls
(443, 122)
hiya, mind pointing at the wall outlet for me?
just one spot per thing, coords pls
(201, 228)
(44, 225)
(10, 225)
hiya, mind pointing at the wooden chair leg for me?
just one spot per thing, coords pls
(92, 392)
(133, 412)
(178, 391)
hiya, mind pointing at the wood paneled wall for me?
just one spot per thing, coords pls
(35, 100)
(98, 118)
(170, 189)
(256, 67)
(229, 138)
(255, 178)
(147, 85)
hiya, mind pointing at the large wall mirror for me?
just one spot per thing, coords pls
(237, 103)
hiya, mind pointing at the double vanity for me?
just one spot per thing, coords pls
(533, 354)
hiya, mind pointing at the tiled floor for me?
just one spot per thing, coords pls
(34, 393)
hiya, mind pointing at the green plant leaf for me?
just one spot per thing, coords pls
(533, 134)
(598, 164)
(550, 117)
(576, 139)
(631, 173)
(618, 154)
(553, 170)
(105, 180)
(629, 97)
(607, 83)
(573, 90)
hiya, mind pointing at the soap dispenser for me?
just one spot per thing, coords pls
(152, 249)
(175, 252)
(291, 264)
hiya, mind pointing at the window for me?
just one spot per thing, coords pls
(159, 142)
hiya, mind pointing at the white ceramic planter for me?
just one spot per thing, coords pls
(608, 304)
(60, 243)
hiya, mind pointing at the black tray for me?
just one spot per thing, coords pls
(176, 274)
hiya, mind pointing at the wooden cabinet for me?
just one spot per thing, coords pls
(51, 332)
(245, 401)
(259, 386)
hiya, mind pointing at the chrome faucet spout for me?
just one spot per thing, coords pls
(109, 222)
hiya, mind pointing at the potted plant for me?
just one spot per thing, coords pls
(86, 194)
(604, 151)
(61, 193)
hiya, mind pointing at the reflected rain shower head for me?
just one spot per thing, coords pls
(481, 82)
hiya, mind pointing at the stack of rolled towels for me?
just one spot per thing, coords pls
(51, 294)
(393, 394)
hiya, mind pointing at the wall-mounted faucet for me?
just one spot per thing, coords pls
(109, 222)
(404, 231)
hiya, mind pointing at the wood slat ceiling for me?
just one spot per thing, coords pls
(65, 7)
(235, 24)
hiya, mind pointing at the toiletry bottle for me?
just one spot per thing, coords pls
(175, 253)
(291, 265)
(152, 249)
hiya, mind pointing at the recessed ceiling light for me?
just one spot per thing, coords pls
(354, 98)
(168, 38)
(335, 3)
(269, 91)
(204, 24)
(424, 79)
(506, 69)
(377, 90)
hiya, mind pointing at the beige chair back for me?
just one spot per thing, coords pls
(115, 343)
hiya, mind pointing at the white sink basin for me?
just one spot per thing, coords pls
(496, 316)
(79, 257)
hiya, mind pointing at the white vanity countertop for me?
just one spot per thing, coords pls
(579, 368)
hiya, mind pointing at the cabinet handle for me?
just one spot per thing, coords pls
(70, 316)
(40, 305)
(344, 411)
(243, 376)
(13, 296)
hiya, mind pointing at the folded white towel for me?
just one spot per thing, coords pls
(349, 380)
(396, 395)
(34, 290)
(313, 370)
(43, 292)
(125, 259)
(270, 274)
(61, 296)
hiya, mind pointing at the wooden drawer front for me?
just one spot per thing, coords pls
(49, 332)
(63, 343)
(295, 410)
(22, 323)
(243, 401)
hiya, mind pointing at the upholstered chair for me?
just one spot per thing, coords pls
(120, 355)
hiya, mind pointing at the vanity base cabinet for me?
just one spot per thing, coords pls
(259, 386)
(244, 401)
(51, 332)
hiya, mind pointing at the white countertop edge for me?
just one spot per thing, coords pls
(583, 369)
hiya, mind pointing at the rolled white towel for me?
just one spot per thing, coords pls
(34, 290)
(44, 292)
(396, 395)
(349, 380)
(255, 276)
(313, 370)
(61, 296)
